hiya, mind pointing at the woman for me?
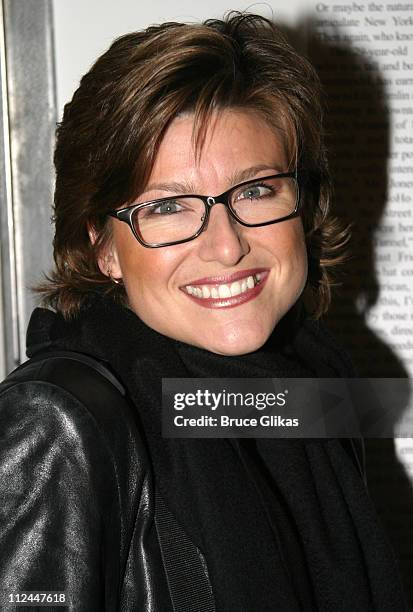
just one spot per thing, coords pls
(193, 239)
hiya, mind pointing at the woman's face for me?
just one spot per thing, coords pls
(156, 280)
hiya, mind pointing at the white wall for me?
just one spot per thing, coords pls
(83, 30)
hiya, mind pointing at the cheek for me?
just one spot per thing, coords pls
(287, 244)
(145, 272)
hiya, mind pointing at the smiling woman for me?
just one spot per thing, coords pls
(193, 239)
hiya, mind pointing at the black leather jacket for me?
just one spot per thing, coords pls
(75, 515)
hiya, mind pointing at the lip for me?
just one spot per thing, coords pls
(229, 302)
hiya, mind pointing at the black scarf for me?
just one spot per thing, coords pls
(283, 524)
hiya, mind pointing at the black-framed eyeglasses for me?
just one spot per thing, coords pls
(180, 218)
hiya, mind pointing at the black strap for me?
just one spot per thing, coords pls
(88, 360)
(185, 565)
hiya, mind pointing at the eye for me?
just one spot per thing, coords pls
(169, 207)
(254, 192)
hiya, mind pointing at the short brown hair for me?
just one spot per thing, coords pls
(112, 128)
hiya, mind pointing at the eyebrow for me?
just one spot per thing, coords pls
(239, 176)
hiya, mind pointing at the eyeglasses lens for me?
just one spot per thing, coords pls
(169, 220)
(263, 201)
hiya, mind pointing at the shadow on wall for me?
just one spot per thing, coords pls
(357, 127)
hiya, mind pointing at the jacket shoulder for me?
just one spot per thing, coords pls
(57, 386)
(78, 410)
(72, 472)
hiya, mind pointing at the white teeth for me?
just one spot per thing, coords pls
(225, 291)
(235, 288)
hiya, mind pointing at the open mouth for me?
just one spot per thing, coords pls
(238, 289)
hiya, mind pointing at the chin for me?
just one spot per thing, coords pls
(236, 341)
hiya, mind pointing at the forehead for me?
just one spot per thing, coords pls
(233, 140)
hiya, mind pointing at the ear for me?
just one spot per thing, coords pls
(107, 257)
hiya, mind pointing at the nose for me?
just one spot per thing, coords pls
(224, 239)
